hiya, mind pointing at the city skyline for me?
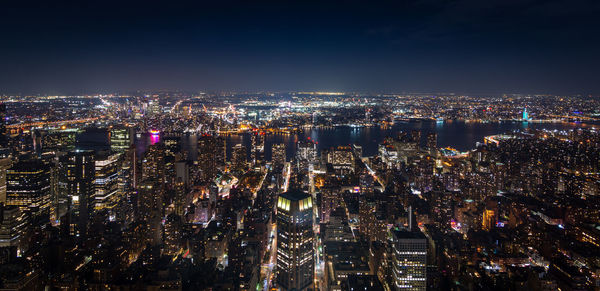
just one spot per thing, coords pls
(408, 145)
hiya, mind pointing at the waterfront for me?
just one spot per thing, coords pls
(457, 134)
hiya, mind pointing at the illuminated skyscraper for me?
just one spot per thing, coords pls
(366, 213)
(153, 164)
(121, 138)
(278, 154)
(13, 225)
(107, 182)
(76, 183)
(525, 114)
(409, 260)
(306, 153)
(341, 158)
(238, 159)
(173, 241)
(150, 205)
(208, 156)
(295, 239)
(28, 187)
(432, 143)
(258, 147)
(5, 164)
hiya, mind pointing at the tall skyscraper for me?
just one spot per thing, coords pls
(5, 164)
(153, 164)
(28, 187)
(258, 147)
(432, 143)
(366, 213)
(121, 138)
(106, 182)
(306, 153)
(295, 239)
(207, 157)
(278, 154)
(151, 208)
(409, 260)
(238, 159)
(13, 225)
(76, 183)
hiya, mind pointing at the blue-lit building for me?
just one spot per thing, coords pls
(525, 114)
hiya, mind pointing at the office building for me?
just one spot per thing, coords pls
(342, 159)
(77, 186)
(238, 158)
(107, 182)
(151, 209)
(208, 155)
(409, 259)
(5, 164)
(278, 155)
(295, 240)
(28, 187)
(121, 138)
(153, 164)
(13, 226)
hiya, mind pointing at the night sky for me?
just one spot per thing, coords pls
(473, 46)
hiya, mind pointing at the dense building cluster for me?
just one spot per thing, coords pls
(177, 192)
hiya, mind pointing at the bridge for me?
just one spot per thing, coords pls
(50, 123)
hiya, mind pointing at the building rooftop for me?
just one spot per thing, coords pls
(404, 234)
(294, 195)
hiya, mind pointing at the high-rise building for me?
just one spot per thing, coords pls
(306, 153)
(121, 138)
(207, 157)
(258, 147)
(341, 158)
(409, 259)
(5, 164)
(366, 212)
(76, 183)
(432, 143)
(106, 182)
(331, 199)
(28, 187)
(151, 208)
(525, 114)
(179, 199)
(295, 239)
(173, 235)
(238, 158)
(153, 164)
(278, 154)
(13, 225)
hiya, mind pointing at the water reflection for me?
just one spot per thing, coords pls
(460, 135)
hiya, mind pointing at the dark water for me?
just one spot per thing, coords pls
(460, 135)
